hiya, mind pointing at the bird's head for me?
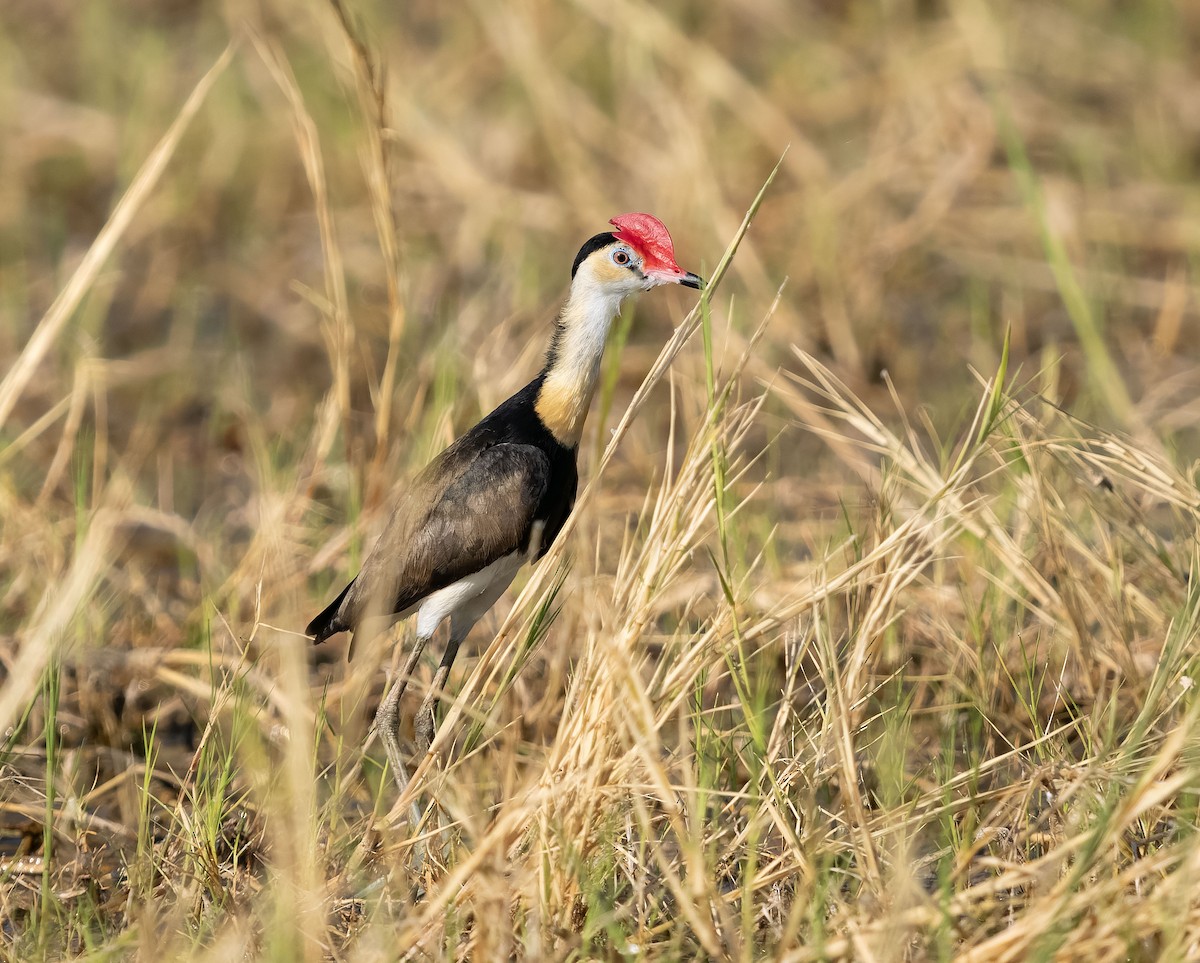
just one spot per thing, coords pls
(637, 256)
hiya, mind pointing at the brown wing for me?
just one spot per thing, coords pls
(463, 513)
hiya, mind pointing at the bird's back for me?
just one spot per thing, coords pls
(483, 498)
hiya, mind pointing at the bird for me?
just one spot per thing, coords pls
(498, 496)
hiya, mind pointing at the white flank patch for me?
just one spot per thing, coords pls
(469, 598)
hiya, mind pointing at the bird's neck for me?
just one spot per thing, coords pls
(573, 361)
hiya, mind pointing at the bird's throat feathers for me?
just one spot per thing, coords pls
(573, 361)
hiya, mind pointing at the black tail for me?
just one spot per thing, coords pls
(329, 622)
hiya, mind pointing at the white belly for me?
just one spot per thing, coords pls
(466, 601)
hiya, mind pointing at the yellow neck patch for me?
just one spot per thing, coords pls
(562, 406)
(597, 291)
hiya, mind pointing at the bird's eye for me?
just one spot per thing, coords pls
(620, 257)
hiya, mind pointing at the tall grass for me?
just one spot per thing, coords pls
(873, 634)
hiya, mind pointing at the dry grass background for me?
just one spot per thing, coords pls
(875, 638)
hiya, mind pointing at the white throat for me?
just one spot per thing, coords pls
(580, 337)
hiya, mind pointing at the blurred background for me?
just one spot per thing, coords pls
(358, 241)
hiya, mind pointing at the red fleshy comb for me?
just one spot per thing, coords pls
(650, 237)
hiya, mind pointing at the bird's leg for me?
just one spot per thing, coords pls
(424, 724)
(387, 722)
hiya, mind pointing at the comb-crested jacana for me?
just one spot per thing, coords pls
(498, 496)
